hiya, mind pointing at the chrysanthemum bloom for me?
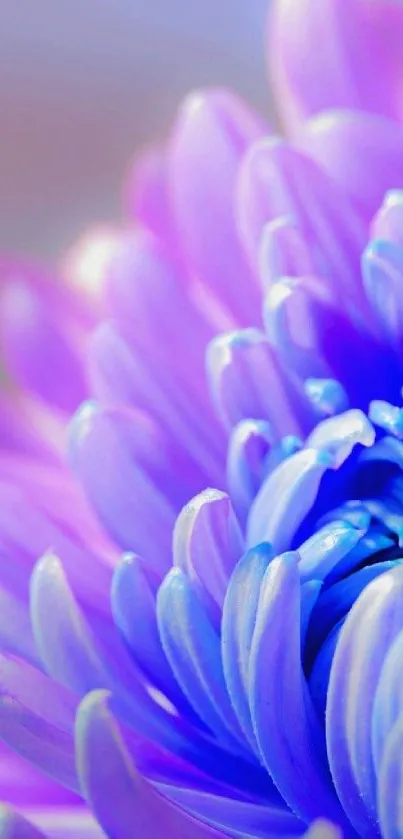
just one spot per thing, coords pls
(245, 682)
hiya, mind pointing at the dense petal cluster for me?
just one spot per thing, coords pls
(201, 628)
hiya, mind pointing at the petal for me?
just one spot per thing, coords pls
(382, 268)
(36, 719)
(390, 784)
(192, 647)
(207, 542)
(120, 376)
(388, 704)
(147, 197)
(249, 445)
(238, 623)
(285, 498)
(358, 65)
(326, 548)
(370, 628)
(35, 322)
(246, 381)
(277, 180)
(289, 735)
(134, 593)
(14, 826)
(109, 450)
(239, 817)
(388, 222)
(212, 133)
(124, 803)
(349, 145)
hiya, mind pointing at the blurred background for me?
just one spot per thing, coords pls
(83, 83)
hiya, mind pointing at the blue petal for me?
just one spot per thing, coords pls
(285, 498)
(326, 548)
(238, 818)
(289, 735)
(388, 704)
(134, 592)
(390, 784)
(238, 622)
(387, 416)
(370, 628)
(193, 649)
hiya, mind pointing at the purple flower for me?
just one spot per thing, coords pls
(193, 662)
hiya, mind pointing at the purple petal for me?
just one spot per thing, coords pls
(350, 145)
(34, 326)
(36, 719)
(124, 803)
(213, 132)
(14, 826)
(277, 180)
(357, 66)
(289, 735)
(111, 451)
(284, 251)
(120, 376)
(249, 445)
(370, 628)
(207, 542)
(382, 268)
(245, 380)
(147, 197)
(60, 823)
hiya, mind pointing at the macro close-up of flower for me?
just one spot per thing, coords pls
(201, 471)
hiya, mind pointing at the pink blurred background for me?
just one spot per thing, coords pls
(83, 83)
